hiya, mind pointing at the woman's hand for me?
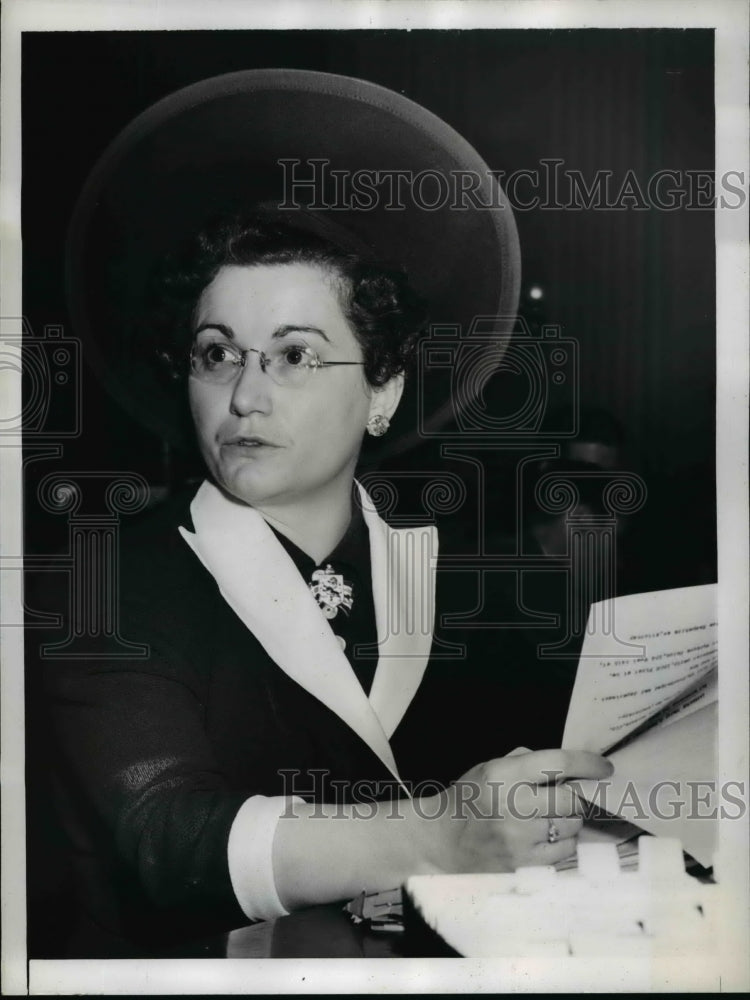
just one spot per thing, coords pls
(499, 815)
(494, 819)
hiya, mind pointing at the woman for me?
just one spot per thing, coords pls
(299, 730)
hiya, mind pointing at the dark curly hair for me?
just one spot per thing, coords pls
(386, 315)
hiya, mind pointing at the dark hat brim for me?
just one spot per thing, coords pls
(227, 143)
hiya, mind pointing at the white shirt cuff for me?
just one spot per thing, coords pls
(249, 853)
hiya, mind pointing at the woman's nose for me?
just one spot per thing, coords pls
(253, 388)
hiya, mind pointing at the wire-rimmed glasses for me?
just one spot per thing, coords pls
(287, 364)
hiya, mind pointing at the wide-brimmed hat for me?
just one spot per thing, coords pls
(361, 158)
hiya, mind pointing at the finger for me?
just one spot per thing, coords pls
(561, 800)
(550, 854)
(563, 829)
(578, 806)
(552, 766)
(526, 800)
(528, 835)
(558, 829)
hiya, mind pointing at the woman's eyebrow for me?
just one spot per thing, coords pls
(222, 328)
(282, 331)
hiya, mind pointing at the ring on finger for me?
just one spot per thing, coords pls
(553, 834)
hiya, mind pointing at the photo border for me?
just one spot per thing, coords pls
(730, 19)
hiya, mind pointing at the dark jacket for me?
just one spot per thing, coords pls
(155, 755)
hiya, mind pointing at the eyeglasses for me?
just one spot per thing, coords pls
(287, 364)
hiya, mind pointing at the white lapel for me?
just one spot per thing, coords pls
(260, 582)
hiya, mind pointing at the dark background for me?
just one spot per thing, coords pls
(635, 288)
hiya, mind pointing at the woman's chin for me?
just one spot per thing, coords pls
(266, 491)
(249, 478)
(249, 486)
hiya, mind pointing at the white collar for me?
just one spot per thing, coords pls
(259, 581)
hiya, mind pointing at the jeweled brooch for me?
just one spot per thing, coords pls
(331, 592)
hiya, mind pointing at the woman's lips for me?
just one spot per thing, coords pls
(249, 442)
